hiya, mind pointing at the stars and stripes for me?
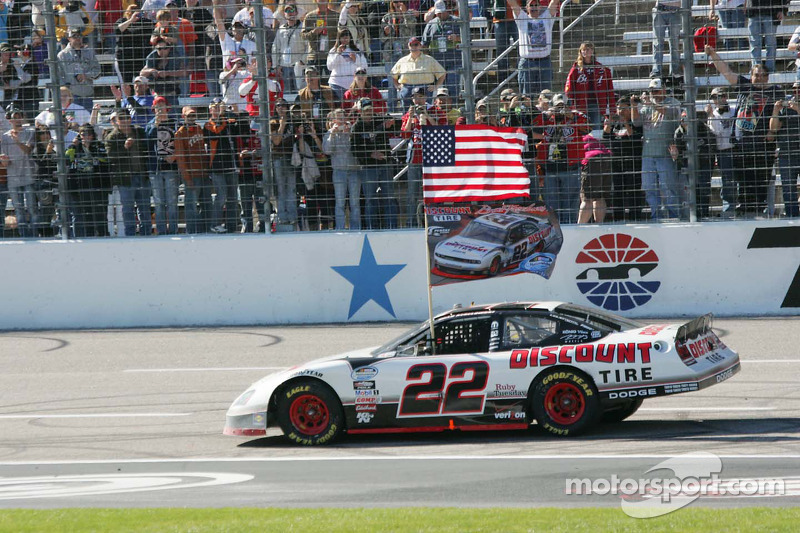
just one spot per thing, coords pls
(473, 163)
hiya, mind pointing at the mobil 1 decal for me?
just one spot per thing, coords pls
(483, 241)
(617, 272)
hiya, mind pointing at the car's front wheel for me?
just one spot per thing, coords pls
(620, 412)
(494, 266)
(565, 402)
(309, 413)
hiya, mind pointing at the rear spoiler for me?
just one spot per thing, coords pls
(695, 328)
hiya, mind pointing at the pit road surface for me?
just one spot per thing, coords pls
(134, 418)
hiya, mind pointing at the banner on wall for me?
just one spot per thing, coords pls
(483, 241)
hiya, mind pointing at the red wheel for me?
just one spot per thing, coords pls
(309, 413)
(494, 267)
(564, 401)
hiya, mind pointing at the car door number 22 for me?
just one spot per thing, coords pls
(433, 392)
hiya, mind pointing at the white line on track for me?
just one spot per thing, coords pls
(218, 369)
(95, 415)
(385, 458)
(770, 361)
(668, 409)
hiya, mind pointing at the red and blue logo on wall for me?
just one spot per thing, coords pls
(617, 271)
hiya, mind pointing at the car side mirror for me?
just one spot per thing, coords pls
(422, 348)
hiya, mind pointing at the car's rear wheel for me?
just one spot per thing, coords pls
(565, 402)
(494, 266)
(309, 413)
(618, 413)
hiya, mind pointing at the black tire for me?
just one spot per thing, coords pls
(620, 412)
(494, 266)
(309, 413)
(565, 402)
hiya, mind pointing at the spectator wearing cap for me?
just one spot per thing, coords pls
(249, 89)
(444, 105)
(127, 150)
(282, 138)
(220, 131)
(246, 16)
(236, 44)
(88, 185)
(559, 152)
(666, 18)
(535, 29)
(164, 71)
(289, 50)
(416, 70)
(315, 100)
(417, 116)
(73, 116)
(370, 145)
(483, 114)
(622, 133)
(231, 79)
(319, 31)
(71, 15)
(442, 38)
(660, 116)
(362, 88)
(132, 32)
(350, 18)
(343, 60)
(720, 119)
(704, 149)
(78, 68)
(544, 100)
(139, 104)
(396, 28)
(784, 127)
(16, 146)
(346, 178)
(12, 76)
(193, 166)
(755, 151)
(163, 167)
(589, 86)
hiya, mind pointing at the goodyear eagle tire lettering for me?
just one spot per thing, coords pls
(309, 413)
(565, 403)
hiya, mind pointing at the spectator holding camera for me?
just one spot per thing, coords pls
(720, 119)
(132, 32)
(220, 131)
(164, 70)
(79, 68)
(784, 127)
(282, 133)
(346, 178)
(193, 165)
(344, 59)
(623, 133)
(231, 79)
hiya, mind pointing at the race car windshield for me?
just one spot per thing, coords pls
(392, 344)
(593, 316)
(482, 232)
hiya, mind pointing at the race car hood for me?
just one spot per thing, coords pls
(464, 246)
(256, 397)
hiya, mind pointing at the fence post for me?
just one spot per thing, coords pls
(466, 60)
(690, 97)
(263, 115)
(55, 96)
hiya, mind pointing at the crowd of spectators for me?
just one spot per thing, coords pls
(350, 87)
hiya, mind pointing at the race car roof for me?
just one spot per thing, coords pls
(472, 308)
(489, 220)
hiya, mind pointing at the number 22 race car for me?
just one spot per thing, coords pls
(489, 367)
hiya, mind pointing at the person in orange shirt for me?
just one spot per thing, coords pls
(193, 166)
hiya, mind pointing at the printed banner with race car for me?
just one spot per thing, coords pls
(484, 241)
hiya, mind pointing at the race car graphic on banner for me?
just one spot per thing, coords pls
(482, 241)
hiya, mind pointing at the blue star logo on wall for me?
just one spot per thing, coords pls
(369, 280)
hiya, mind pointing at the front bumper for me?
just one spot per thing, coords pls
(249, 425)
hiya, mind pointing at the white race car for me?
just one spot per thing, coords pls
(493, 243)
(500, 366)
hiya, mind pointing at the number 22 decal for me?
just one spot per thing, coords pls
(424, 396)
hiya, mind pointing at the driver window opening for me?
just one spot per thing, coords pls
(527, 330)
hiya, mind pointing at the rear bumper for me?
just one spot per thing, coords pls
(249, 425)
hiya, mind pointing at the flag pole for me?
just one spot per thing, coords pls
(430, 287)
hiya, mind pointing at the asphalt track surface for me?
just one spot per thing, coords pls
(133, 418)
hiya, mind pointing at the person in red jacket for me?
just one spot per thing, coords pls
(589, 86)
(362, 88)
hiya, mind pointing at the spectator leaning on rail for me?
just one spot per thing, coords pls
(660, 116)
(442, 38)
(416, 70)
(784, 125)
(763, 19)
(535, 27)
(666, 18)
(126, 146)
(16, 146)
(755, 152)
(721, 117)
(589, 86)
(79, 68)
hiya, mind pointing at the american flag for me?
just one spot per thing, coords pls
(473, 163)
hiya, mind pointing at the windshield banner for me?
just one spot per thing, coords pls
(484, 241)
